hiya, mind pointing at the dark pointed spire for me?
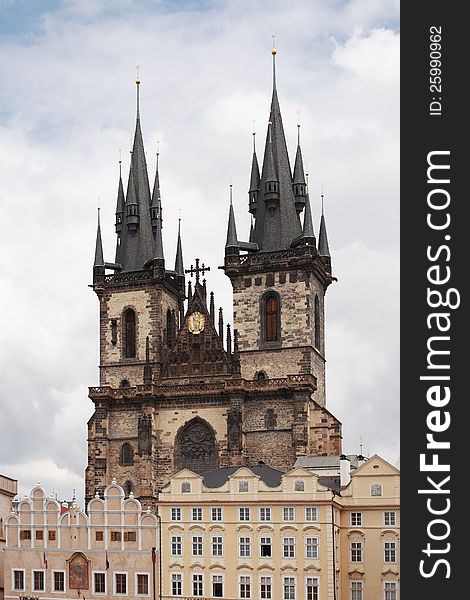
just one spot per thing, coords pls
(277, 222)
(221, 324)
(232, 239)
(308, 231)
(253, 192)
(179, 266)
(212, 308)
(190, 292)
(119, 213)
(99, 258)
(323, 247)
(156, 213)
(298, 179)
(229, 340)
(137, 240)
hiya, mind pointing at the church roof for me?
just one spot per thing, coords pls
(217, 477)
(276, 226)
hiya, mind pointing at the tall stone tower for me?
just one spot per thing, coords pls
(177, 388)
(279, 284)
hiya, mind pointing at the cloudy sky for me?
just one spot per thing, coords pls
(67, 105)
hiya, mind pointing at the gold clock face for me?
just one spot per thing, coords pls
(196, 322)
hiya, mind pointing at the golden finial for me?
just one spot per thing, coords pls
(274, 51)
(120, 155)
(179, 214)
(137, 79)
(158, 147)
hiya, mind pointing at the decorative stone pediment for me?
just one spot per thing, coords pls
(198, 348)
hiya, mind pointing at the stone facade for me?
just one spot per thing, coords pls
(201, 397)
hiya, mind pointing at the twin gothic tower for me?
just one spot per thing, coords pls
(178, 388)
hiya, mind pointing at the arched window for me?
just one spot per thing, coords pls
(271, 318)
(127, 454)
(317, 323)
(129, 334)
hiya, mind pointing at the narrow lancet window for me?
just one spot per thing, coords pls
(271, 318)
(129, 341)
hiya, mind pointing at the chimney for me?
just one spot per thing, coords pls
(361, 460)
(344, 470)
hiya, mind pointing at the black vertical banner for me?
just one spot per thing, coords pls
(435, 315)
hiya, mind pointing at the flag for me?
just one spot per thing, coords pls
(45, 560)
(107, 561)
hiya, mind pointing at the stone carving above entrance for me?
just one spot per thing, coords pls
(196, 447)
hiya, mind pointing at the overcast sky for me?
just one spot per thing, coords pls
(67, 105)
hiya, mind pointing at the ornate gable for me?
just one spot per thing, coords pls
(198, 349)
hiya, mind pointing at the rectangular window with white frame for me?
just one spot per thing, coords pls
(356, 589)
(244, 585)
(288, 547)
(18, 580)
(311, 513)
(265, 513)
(197, 545)
(356, 519)
(288, 513)
(217, 513)
(244, 513)
(390, 590)
(390, 552)
(244, 547)
(176, 584)
(311, 547)
(312, 588)
(390, 518)
(175, 513)
(176, 545)
(120, 584)
(58, 581)
(142, 584)
(356, 551)
(217, 545)
(265, 587)
(198, 585)
(99, 582)
(288, 588)
(196, 513)
(217, 586)
(38, 580)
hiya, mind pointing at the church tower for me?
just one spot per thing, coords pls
(280, 276)
(178, 388)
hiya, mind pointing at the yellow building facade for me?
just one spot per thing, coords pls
(253, 532)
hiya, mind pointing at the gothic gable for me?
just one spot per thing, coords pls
(198, 349)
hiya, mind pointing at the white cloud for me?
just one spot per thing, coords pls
(68, 104)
